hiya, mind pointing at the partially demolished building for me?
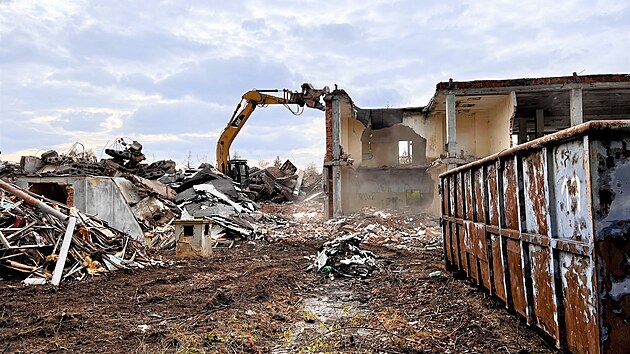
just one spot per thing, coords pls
(390, 157)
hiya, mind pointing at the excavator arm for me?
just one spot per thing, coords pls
(254, 98)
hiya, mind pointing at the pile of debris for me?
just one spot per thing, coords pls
(208, 194)
(126, 159)
(282, 184)
(342, 256)
(48, 244)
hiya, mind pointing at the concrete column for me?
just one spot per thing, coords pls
(575, 104)
(451, 129)
(336, 150)
(540, 123)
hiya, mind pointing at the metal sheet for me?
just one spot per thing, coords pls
(611, 200)
(517, 286)
(468, 196)
(493, 194)
(544, 303)
(459, 198)
(536, 191)
(579, 304)
(510, 194)
(497, 267)
(573, 216)
(460, 231)
(479, 197)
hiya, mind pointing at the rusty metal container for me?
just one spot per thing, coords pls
(545, 227)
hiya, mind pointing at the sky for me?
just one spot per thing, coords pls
(169, 74)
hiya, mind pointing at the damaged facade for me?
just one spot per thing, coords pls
(392, 157)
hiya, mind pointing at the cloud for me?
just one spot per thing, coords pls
(172, 72)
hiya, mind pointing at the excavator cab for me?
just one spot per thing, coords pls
(238, 171)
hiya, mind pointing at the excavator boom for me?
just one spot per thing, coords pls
(309, 97)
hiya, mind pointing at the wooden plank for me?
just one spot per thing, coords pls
(63, 254)
(298, 186)
(4, 241)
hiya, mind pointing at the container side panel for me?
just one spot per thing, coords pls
(534, 170)
(459, 198)
(493, 195)
(479, 182)
(515, 267)
(542, 281)
(579, 303)
(611, 201)
(463, 250)
(497, 267)
(572, 220)
(510, 195)
(468, 196)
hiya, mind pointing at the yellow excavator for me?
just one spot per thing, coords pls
(237, 169)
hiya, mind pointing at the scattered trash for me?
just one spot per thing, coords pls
(344, 257)
(435, 274)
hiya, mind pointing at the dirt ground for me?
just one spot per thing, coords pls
(257, 297)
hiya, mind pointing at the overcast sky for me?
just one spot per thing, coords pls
(170, 73)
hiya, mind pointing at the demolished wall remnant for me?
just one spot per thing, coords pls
(463, 122)
(100, 196)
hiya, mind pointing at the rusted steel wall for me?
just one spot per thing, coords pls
(545, 227)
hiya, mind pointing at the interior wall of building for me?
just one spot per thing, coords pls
(386, 188)
(430, 128)
(380, 146)
(497, 126)
(375, 177)
(351, 132)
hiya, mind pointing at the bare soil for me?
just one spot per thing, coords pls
(256, 297)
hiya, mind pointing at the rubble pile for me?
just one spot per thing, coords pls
(399, 229)
(282, 184)
(300, 222)
(342, 256)
(158, 194)
(32, 240)
(126, 159)
(208, 194)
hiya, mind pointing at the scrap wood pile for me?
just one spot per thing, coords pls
(282, 184)
(32, 242)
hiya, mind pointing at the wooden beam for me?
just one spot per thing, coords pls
(575, 104)
(63, 253)
(4, 241)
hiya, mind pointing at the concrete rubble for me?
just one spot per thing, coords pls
(283, 184)
(342, 256)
